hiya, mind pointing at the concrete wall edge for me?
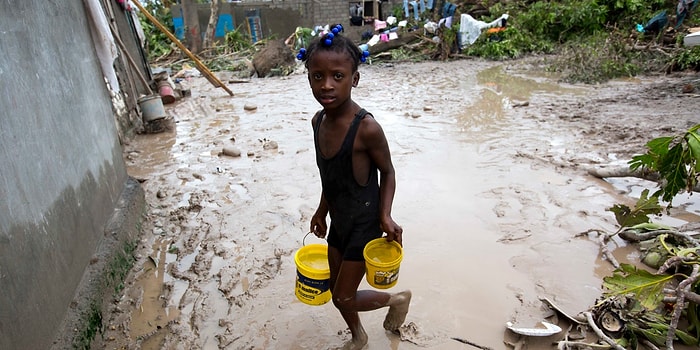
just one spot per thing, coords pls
(96, 289)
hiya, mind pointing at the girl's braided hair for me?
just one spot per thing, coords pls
(333, 41)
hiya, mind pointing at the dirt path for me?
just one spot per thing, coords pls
(491, 161)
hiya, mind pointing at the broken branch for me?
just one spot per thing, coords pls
(599, 332)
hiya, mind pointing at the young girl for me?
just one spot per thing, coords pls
(358, 182)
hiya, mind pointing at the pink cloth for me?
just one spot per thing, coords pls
(379, 24)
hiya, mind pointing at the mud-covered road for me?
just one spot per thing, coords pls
(492, 193)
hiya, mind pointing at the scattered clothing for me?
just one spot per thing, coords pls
(470, 28)
(683, 10)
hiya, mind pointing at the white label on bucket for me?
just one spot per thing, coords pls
(383, 278)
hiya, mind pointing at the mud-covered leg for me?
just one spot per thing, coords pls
(398, 308)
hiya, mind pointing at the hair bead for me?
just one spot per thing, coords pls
(326, 39)
(364, 56)
(302, 54)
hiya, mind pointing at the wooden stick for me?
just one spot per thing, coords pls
(131, 60)
(599, 332)
(200, 66)
(464, 341)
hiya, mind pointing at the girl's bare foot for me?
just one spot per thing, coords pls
(398, 308)
(356, 343)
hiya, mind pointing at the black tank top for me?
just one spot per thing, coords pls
(347, 200)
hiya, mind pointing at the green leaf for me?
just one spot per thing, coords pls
(647, 287)
(672, 168)
(654, 336)
(656, 333)
(651, 226)
(694, 146)
(626, 218)
(644, 161)
(676, 159)
(659, 146)
(686, 338)
(645, 206)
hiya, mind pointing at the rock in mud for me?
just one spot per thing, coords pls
(231, 151)
(270, 145)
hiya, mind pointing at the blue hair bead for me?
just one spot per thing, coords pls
(364, 56)
(302, 54)
(328, 42)
(335, 30)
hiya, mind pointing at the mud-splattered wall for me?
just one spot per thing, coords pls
(61, 168)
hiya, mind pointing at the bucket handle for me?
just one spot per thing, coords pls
(303, 241)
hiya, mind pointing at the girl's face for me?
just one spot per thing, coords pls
(331, 78)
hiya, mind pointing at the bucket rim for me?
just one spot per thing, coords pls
(148, 97)
(309, 271)
(382, 240)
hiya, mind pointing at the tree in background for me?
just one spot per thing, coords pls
(211, 27)
(193, 36)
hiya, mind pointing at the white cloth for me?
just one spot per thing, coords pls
(374, 40)
(470, 28)
(447, 22)
(430, 27)
(103, 40)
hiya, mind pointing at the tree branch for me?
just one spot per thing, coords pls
(601, 335)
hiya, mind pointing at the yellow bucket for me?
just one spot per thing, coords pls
(313, 274)
(382, 260)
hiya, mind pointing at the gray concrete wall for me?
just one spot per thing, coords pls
(61, 167)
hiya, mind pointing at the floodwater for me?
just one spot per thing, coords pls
(487, 231)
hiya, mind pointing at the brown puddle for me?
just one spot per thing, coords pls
(487, 231)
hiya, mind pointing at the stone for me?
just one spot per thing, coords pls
(231, 151)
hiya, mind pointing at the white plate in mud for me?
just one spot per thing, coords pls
(550, 329)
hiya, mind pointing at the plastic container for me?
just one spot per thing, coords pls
(166, 92)
(382, 260)
(151, 108)
(313, 274)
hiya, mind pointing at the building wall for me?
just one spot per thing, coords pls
(61, 168)
(279, 18)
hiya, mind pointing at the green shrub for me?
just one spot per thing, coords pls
(237, 40)
(687, 59)
(157, 43)
(508, 44)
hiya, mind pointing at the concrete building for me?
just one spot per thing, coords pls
(69, 212)
(279, 18)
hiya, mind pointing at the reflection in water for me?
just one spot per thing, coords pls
(497, 92)
(154, 314)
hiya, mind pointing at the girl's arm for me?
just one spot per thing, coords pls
(318, 220)
(378, 150)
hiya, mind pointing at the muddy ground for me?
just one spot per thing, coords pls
(493, 191)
